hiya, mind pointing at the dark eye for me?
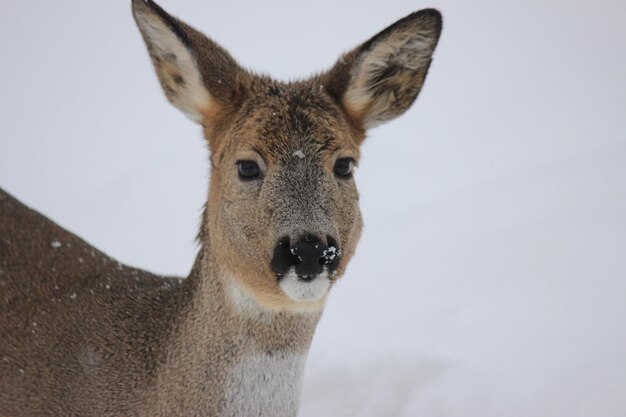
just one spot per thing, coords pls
(343, 167)
(248, 170)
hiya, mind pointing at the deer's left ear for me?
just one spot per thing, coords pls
(380, 79)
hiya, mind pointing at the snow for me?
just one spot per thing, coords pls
(490, 277)
(56, 244)
(329, 254)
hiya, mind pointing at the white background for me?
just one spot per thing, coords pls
(491, 276)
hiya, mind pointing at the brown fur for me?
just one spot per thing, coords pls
(84, 335)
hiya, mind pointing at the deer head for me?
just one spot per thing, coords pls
(282, 219)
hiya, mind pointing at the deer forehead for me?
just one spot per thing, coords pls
(289, 122)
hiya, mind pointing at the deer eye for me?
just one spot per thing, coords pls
(343, 167)
(248, 170)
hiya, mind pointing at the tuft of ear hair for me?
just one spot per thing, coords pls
(380, 79)
(198, 76)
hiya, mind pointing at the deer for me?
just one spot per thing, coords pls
(84, 335)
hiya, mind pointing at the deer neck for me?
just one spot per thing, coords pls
(251, 358)
(218, 298)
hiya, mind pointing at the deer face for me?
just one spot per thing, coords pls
(284, 203)
(282, 219)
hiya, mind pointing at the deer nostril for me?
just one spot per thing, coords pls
(284, 257)
(330, 255)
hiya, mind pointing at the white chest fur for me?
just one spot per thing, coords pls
(265, 385)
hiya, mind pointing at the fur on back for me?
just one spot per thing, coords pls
(70, 339)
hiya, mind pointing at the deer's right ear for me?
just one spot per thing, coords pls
(197, 75)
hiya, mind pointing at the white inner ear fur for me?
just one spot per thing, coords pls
(410, 50)
(177, 68)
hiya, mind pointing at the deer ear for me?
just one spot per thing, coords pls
(197, 75)
(380, 79)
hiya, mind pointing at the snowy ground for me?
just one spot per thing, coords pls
(491, 277)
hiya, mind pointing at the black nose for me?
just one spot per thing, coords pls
(308, 255)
